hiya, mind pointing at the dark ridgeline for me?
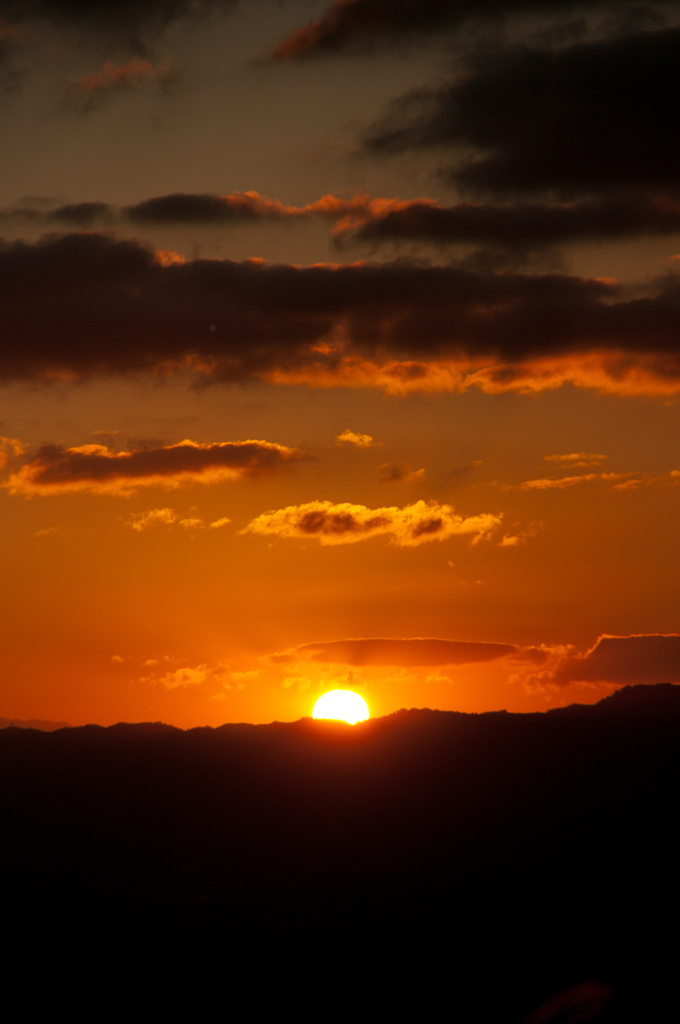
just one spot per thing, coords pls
(490, 861)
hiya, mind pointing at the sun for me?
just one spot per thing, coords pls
(341, 704)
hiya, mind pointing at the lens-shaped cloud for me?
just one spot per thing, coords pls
(406, 653)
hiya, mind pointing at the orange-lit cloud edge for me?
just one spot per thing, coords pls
(390, 326)
(55, 469)
(612, 660)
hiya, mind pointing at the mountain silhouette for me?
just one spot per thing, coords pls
(515, 865)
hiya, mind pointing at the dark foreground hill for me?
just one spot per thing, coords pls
(490, 861)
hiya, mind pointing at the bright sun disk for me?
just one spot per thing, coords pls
(341, 704)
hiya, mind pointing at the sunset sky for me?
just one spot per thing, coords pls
(339, 348)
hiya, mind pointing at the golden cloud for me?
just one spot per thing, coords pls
(346, 523)
(154, 517)
(360, 440)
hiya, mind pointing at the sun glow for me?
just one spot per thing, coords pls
(344, 705)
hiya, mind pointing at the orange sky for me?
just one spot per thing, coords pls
(290, 361)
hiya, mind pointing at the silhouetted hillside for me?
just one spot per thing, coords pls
(41, 724)
(497, 857)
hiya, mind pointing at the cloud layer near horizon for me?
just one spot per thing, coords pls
(398, 326)
(55, 469)
(346, 523)
(622, 660)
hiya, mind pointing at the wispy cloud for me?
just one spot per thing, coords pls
(576, 458)
(154, 517)
(392, 473)
(187, 675)
(9, 446)
(89, 90)
(617, 481)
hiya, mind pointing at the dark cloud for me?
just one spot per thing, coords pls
(115, 307)
(55, 469)
(593, 117)
(351, 23)
(130, 19)
(645, 658)
(192, 208)
(82, 215)
(522, 227)
(406, 653)
(184, 207)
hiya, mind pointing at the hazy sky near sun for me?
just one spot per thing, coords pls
(340, 348)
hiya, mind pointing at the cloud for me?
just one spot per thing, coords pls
(350, 23)
(513, 540)
(521, 227)
(217, 524)
(620, 660)
(391, 473)
(398, 326)
(406, 653)
(186, 676)
(542, 120)
(576, 458)
(618, 481)
(186, 207)
(45, 211)
(89, 89)
(192, 523)
(559, 483)
(346, 523)
(9, 446)
(238, 207)
(360, 440)
(82, 215)
(297, 683)
(154, 517)
(128, 20)
(183, 675)
(55, 469)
